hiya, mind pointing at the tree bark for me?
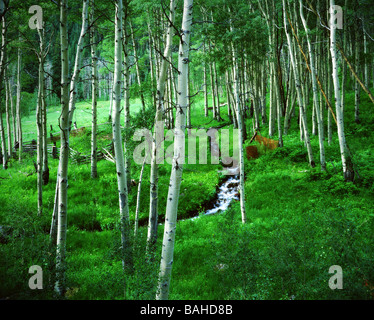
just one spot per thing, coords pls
(39, 123)
(94, 95)
(240, 122)
(138, 200)
(315, 91)
(161, 84)
(301, 101)
(178, 159)
(137, 67)
(346, 159)
(117, 141)
(60, 286)
(18, 104)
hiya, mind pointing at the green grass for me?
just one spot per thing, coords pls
(300, 221)
(82, 117)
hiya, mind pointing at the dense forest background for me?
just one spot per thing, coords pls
(291, 81)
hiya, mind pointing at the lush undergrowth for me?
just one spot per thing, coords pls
(300, 222)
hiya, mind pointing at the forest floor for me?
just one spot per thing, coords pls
(300, 222)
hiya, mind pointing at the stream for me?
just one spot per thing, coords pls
(227, 192)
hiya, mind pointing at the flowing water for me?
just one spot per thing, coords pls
(227, 192)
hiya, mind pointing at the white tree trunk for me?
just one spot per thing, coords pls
(178, 159)
(64, 155)
(78, 62)
(138, 200)
(117, 139)
(137, 66)
(94, 96)
(346, 160)
(18, 104)
(300, 99)
(7, 113)
(39, 123)
(315, 91)
(161, 84)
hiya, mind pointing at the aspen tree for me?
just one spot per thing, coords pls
(67, 112)
(271, 43)
(206, 101)
(18, 104)
(2, 68)
(315, 90)
(178, 159)
(161, 84)
(94, 95)
(64, 154)
(346, 160)
(39, 119)
(138, 200)
(117, 140)
(137, 66)
(14, 141)
(240, 122)
(213, 87)
(78, 62)
(301, 101)
(7, 112)
(45, 174)
(126, 88)
(357, 67)
(3, 143)
(344, 65)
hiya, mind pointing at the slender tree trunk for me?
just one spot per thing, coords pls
(366, 73)
(357, 87)
(138, 200)
(346, 160)
(178, 159)
(216, 89)
(2, 69)
(329, 90)
(137, 67)
(68, 108)
(161, 84)
(111, 97)
(189, 99)
(301, 101)
(39, 123)
(315, 91)
(78, 62)
(240, 138)
(213, 90)
(45, 143)
(206, 101)
(18, 105)
(228, 99)
(241, 128)
(289, 103)
(14, 130)
(64, 154)
(7, 113)
(344, 65)
(94, 95)
(117, 141)
(127, 86)
(3, 143)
